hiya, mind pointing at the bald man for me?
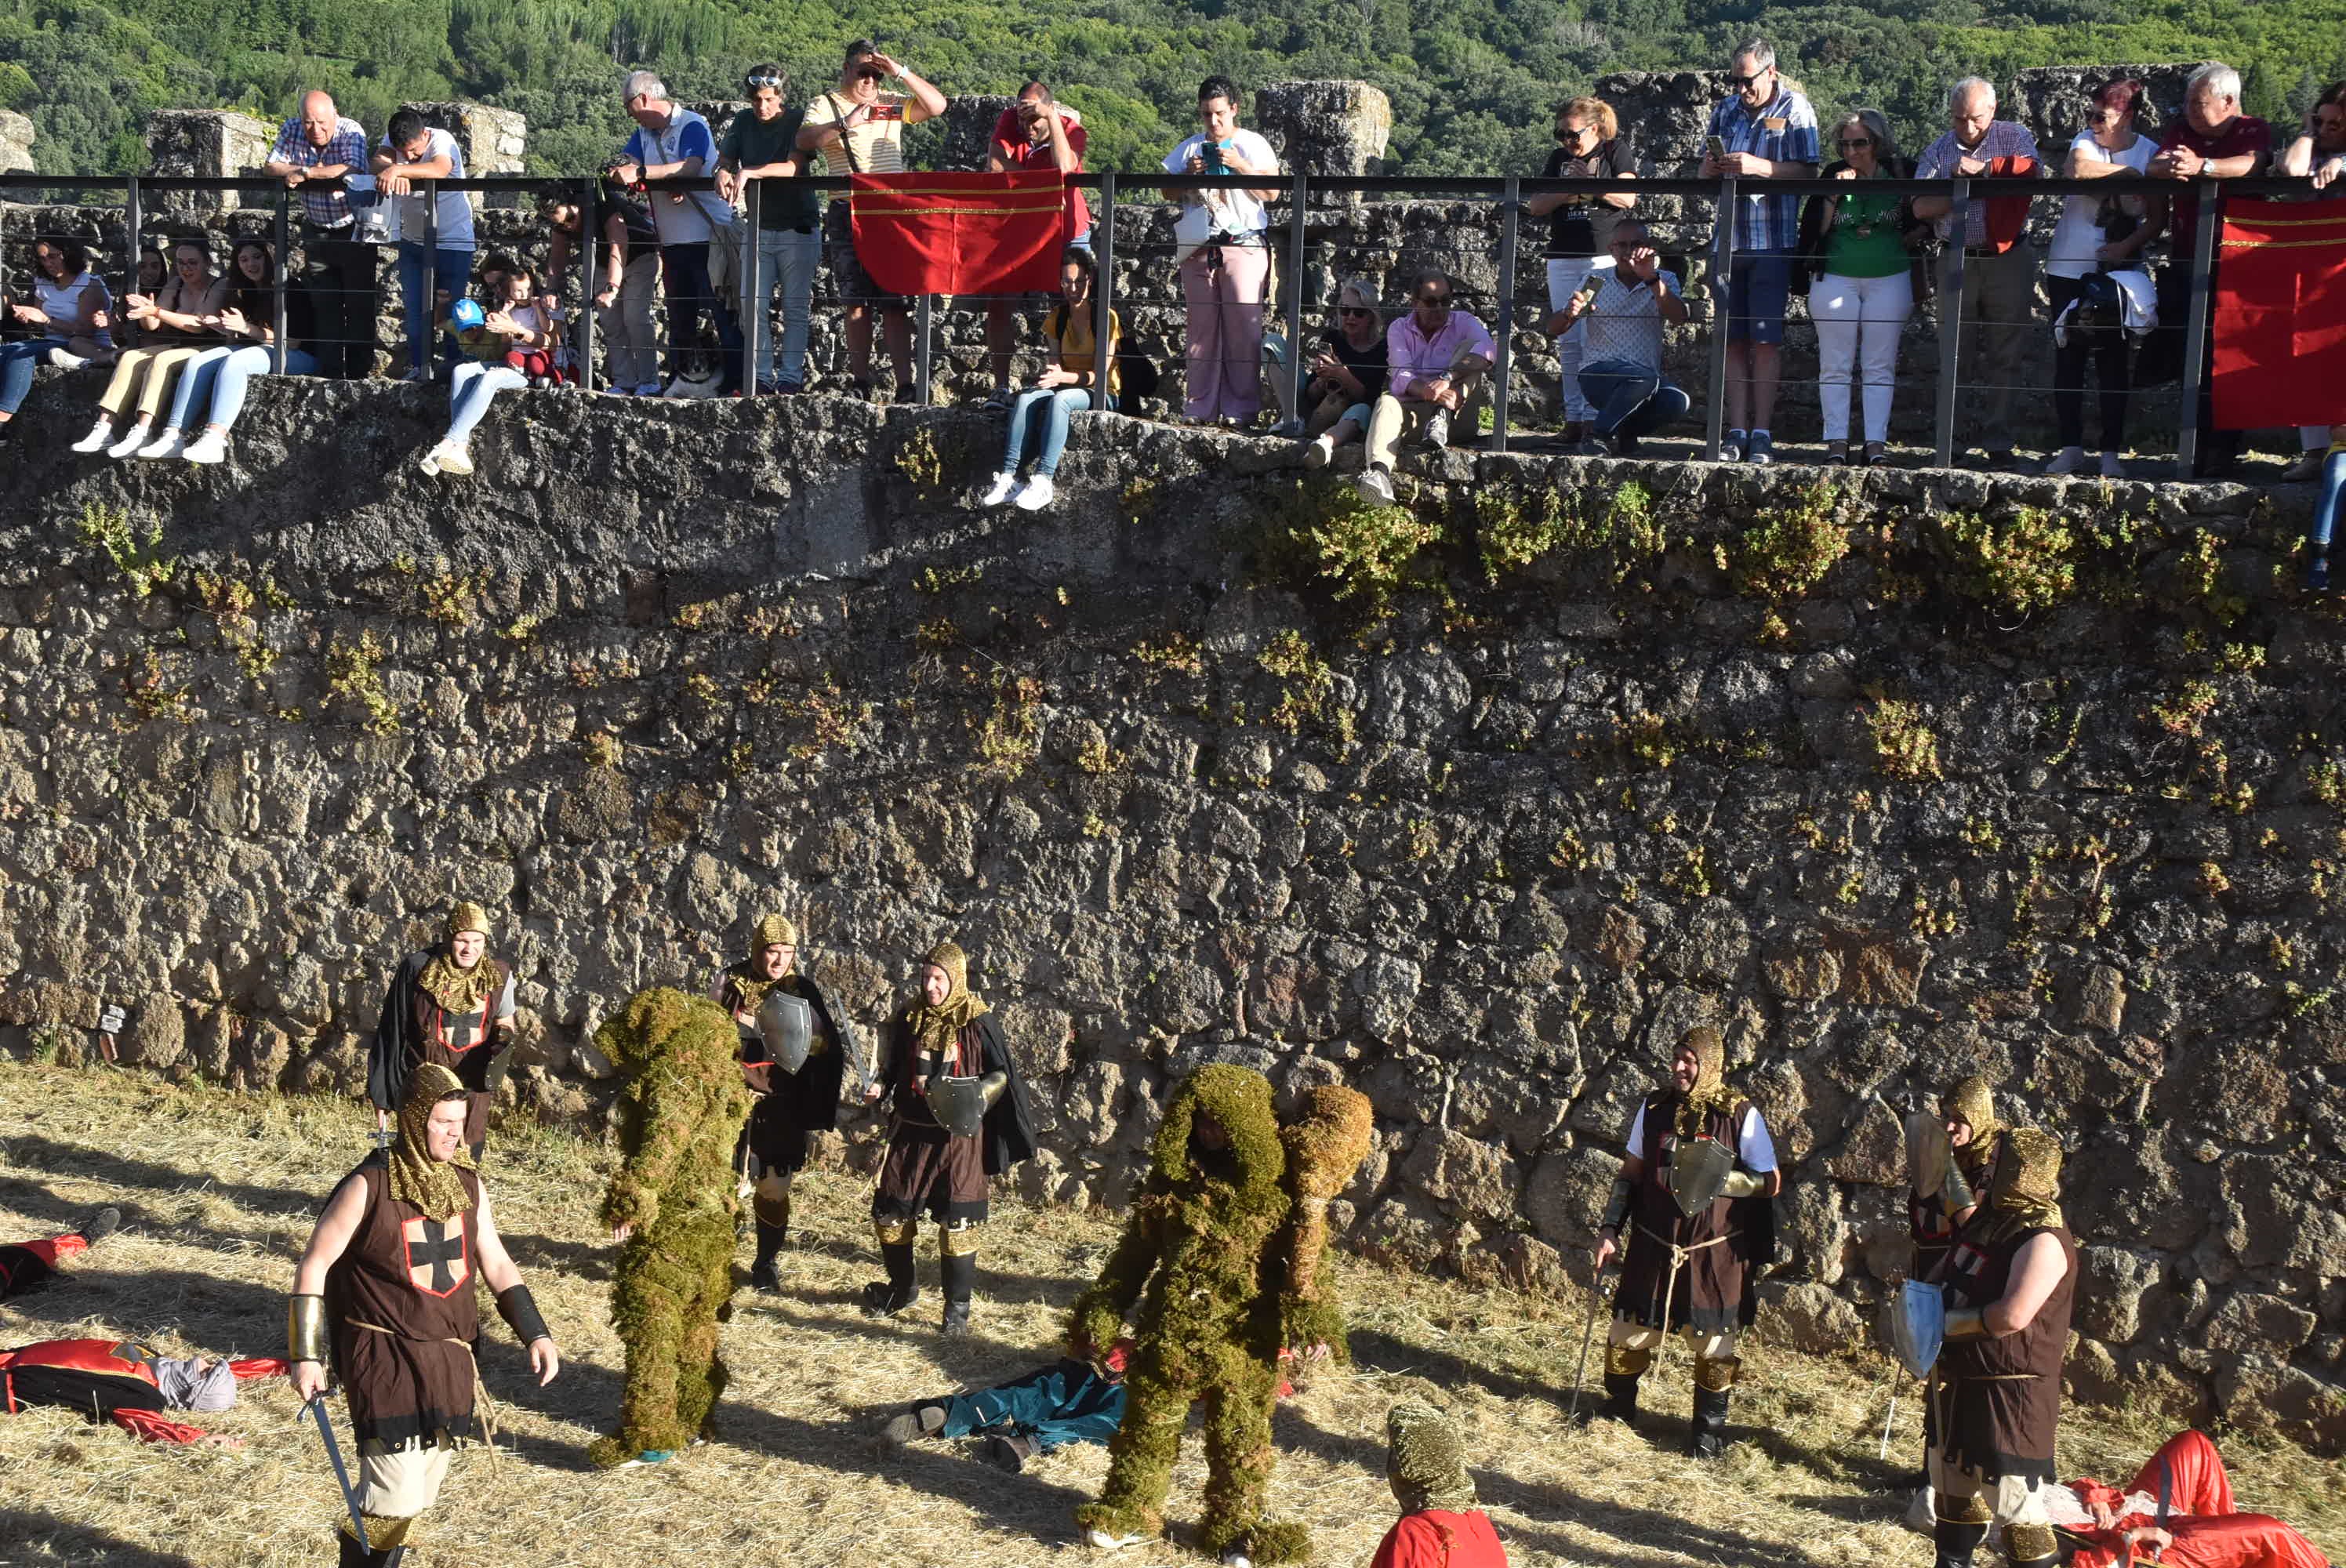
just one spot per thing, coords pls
(316, 147)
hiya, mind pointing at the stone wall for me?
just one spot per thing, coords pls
(15, 143)
(1931, 775)
(203, 143)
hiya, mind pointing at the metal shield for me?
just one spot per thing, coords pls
(1917, 1325)
(959, 1104)
(1929, 1154)
(786, 1024)
(1698, 1174)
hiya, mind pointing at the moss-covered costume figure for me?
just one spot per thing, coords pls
(791, 1107)
(935, 1047)
(672, 1206)
(1223, 1234)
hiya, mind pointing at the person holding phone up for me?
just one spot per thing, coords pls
(1224, 259)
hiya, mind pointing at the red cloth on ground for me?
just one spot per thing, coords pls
(2207, 1533)
(1437, 1538)
(961, 233)
(2280, 315)
(151, 1426)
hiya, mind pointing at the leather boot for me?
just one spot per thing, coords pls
(1708, 1437)
(1620, 1399)
(961, 1283)
(353, 1555)
(1956, 1540)
(763, 1274)
(902, 1288)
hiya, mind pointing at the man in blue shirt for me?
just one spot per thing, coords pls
(671, 141)
(1764, 129)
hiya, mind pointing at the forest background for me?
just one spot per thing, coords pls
(1472, 81)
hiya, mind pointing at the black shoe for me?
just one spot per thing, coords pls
(1620, 1400)
(1010, 1453)
(2317, 575)
(764, 1278)
(882, 1299)
(101, 1225)
(960, 1271)
(1621, 443)
(1954, 1543)
(956, 1320)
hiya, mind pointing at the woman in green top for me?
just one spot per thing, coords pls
(1865, 290)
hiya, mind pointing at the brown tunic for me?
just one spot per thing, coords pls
(1714, 1289)
(927, 1170)
(1999, 1399)
(413, 1277)
(784, 1122)
(466, 1044)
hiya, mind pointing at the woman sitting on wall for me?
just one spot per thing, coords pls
(1347, 375)
(1042, 411)
(75, 315)
(212, 386)
(498, 348)
(178, 322)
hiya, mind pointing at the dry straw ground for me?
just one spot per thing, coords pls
(217, 1192)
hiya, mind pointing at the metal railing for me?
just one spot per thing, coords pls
(1506, 194)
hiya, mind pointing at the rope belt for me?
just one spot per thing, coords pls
(485, 1406)
(1678, 1255)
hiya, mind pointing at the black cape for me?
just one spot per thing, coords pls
(399, 1045)
(1009, 1134)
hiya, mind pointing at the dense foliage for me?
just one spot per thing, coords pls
(1470, 81)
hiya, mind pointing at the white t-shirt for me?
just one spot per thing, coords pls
(1625, 317)
(456, 208)
(2078, 236)
(1753, 1147)
(69, 304)
(1236, 211)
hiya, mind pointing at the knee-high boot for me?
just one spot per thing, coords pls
(902, 1289)
(1623, 1367)
(1956, 1538)
(1714, 1390)
(959, 1266)
(773, 1232)
(2031, 1545)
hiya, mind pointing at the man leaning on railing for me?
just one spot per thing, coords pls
(320, 144)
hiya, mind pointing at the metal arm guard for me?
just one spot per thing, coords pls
(1967, 1323)
(992, 1085)
(1955, 1193)
(1746, 1184)
(305, 1328)
(521, 1315)
(1616, 1207)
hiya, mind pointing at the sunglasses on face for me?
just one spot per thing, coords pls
(1354, 311)
(1434, 302)
(1739, 83)
(1848, 142)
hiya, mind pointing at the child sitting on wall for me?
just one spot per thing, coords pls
(488, 342)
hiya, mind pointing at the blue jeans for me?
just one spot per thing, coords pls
(18, 360)
(1045, 408)
(217, 379)
(1630, 399)
(1057, 1405)
(2326, 512)
(451, 272)
(469, 391)
(787, 261)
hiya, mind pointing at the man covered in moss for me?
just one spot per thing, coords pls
(672, 1208)
(1210, 1259)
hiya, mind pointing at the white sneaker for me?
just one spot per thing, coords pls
(171, 443)
(455, 459)
(129, 444)
(1375, 486)
(2111, 467)
(1035, 494)
(65, 360)
(209, 447)
(2068, 460)
(1107, 1543)
(1004, 484)
(1320, 452)
(430, 461)
(100, 437)
(1236, 1558)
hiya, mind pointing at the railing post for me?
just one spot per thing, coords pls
(589, 195)
(133, 220)
(1102, 288)
(2194, 342)
(923, 345)
(1722, 262)
(430, 344)
(1292, 294)
(1951, 327)
(753, 300)
(1503, 355)
(282, 230)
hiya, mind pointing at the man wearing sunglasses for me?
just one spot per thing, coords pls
(1764, 129)
(1435, 358)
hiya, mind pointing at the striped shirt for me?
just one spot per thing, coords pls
(1782, 130)
(2004, 139)
(326, 209)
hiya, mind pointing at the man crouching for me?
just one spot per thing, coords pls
(395, 1253)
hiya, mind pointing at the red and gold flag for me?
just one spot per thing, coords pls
(961, 233)
(2281, 315)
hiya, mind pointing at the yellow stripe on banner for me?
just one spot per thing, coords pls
(867, 215)
(943, 190)
(2285, 222)
(2284, 244)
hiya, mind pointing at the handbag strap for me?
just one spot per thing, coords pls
(846, 140)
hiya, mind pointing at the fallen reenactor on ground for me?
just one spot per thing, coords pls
(1068, 1401)
(27, 1263)
(1440, 1524)
(127, 1384)
(2177, 1511)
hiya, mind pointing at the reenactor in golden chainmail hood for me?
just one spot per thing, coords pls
(1690, 1216)
(1947, 1154)
(453, 1004)
(795, 1051)
(2010, 1283)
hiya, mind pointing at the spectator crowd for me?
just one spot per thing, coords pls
(667, 236)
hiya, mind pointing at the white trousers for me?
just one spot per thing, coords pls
(402, 1486)
(1565, 274)
(1858, 321)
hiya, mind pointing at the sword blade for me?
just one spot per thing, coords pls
(1888, 1420)
(341, 1472)
(1587, 1338)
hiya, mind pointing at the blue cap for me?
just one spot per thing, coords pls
(466, 314)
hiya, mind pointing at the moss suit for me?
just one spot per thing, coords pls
(681, 1117)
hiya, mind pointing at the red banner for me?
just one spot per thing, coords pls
(2281, 315)
(961, 233)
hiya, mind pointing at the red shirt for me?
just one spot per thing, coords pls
(1436, 1538)
(2242, 134)
(1012, 145)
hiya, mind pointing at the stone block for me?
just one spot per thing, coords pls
(15, 143)
(966, 129)
(204, 144)
(1330, 127)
